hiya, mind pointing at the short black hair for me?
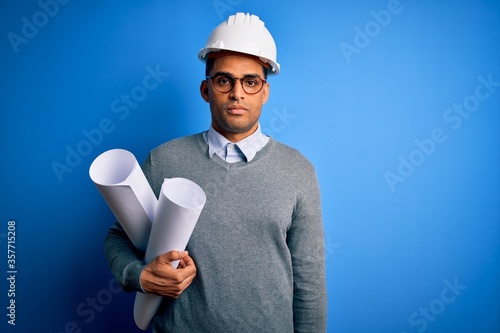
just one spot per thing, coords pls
(210, 65)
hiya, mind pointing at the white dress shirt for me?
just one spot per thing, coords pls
(233, 152)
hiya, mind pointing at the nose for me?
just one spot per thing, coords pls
(237, 92)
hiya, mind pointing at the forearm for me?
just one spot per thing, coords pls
(123, 258)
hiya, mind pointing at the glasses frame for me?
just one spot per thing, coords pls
(233, 82)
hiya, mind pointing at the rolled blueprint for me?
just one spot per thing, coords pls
(120, 179)
(179, 207)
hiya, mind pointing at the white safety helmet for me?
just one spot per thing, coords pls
(244, 33)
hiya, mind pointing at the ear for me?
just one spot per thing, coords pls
(204, 90)
(265, 93)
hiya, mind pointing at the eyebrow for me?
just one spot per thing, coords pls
(232, 76)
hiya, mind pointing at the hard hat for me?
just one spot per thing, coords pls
(244, 33)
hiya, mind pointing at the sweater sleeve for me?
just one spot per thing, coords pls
(306, 244)
(125, 261)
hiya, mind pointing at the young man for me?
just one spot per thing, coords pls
(255, 261)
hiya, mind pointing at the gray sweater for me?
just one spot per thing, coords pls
(258, 244)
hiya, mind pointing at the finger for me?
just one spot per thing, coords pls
(188, 280)
(166, 270)
(188, 261)
(188, 271)
(182, 263)
(172, 256)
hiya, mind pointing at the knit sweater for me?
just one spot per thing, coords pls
(258, 245)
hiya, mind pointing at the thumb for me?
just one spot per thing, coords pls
(173, 255)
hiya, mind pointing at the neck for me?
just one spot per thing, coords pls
(236, 137)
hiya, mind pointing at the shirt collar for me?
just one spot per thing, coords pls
(249, 146)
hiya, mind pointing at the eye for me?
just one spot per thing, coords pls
(223, 81)
(251, 82)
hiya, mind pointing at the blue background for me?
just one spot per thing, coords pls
(410, 186)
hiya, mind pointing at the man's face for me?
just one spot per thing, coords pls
(235, 114)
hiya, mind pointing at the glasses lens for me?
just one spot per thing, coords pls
(223, 83)
(252, 85)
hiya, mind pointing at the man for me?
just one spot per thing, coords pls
(255, 260)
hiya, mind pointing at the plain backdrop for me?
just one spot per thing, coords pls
(396, 103)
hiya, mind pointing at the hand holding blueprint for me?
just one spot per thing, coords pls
(180, 204)
(154, 227)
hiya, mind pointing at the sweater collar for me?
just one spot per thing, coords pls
(247, 148)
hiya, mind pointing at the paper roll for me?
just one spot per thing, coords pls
(179, 207)
(120, 179)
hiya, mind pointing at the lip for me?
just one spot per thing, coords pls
(236, 109)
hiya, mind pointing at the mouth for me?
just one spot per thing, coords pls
(236, 109)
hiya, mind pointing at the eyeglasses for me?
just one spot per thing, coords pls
(224, 83)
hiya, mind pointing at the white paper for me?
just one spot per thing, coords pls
(120, 179)
(179, 207)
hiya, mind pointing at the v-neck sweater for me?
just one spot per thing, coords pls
(258, 245)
